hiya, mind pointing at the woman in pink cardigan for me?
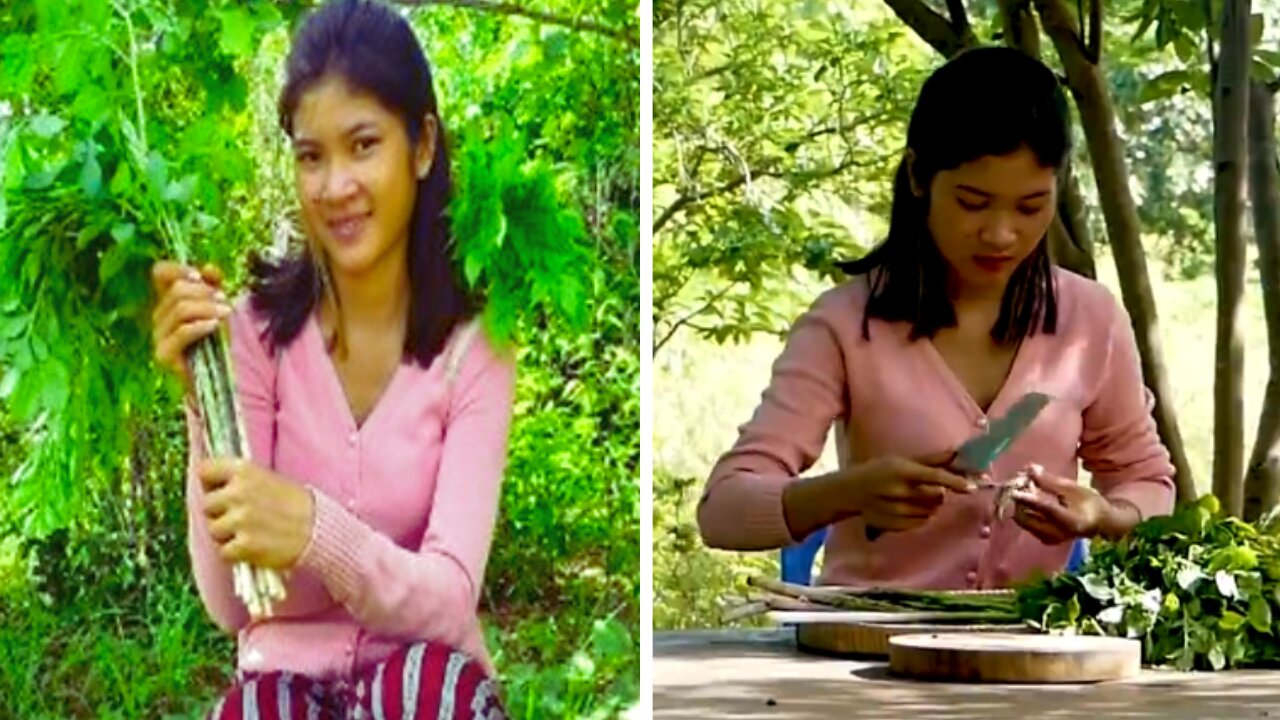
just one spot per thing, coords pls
(953, 318)
(377, 415)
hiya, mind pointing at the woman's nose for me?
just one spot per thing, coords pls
(999, 232)
(338, 182)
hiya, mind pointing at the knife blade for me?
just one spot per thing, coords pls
(976, 455)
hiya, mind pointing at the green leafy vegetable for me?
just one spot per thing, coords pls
(1199, 588)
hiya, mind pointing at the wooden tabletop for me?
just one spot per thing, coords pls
(760, 674)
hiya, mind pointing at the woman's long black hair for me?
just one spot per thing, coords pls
(373, 49)
(984, 101)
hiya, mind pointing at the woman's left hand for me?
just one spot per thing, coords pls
(1058, 509)
(255, 515)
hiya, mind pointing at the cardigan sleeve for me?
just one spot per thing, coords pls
(433, 590)
(1119, 443)
(741, 506)
(254, 372)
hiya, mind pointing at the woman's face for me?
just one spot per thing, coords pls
(356, 175)
(988, 215)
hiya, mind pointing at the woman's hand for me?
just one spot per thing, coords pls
(895, 493)
(1058, 510)
(255, 515)
(189, 306)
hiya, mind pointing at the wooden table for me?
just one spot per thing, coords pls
(760, 674)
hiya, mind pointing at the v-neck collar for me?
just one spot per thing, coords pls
(338, 395)
(1012, 378)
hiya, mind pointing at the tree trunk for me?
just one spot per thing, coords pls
(1118, 210)
(1070, 243)
(1073, 211)
(1262, 483)
(1230, 123)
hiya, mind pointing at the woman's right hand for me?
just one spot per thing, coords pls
(896, 493)
(189, 306)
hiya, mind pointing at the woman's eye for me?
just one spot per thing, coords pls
(307, 158)
(1029, 211)
(365, 144)
(972, 206)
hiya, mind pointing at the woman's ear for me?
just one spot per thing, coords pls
(425, 151)
(910, 159)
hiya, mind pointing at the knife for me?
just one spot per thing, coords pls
(975, 456)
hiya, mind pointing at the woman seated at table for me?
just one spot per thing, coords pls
(954, 317)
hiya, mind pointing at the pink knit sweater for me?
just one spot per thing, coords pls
(894, 396)
(405, 504)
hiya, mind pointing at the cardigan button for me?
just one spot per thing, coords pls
(986, 531)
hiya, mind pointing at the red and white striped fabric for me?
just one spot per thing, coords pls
(423, 681)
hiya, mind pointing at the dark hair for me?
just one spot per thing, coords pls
(373, 49)
(984, 101)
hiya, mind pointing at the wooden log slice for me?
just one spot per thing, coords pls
(1014, 658)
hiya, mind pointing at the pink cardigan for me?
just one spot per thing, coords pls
(894, 396)
(405, 504)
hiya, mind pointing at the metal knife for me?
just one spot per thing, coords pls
(975, 456)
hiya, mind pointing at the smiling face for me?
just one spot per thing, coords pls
(988, 215)
(356, 176)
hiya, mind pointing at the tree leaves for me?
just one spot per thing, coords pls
(237, 37)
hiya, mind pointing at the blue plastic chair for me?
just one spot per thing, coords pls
(797, 560)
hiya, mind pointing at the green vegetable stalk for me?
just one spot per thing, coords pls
(209, 358)
(224, 436)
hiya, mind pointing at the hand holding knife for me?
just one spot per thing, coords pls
(974, 457)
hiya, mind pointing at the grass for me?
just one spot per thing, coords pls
(704, 391)
(90, 661)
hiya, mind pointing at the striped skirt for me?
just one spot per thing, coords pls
(424, 681)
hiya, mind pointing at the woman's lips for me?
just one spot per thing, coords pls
(992, 263)
(347, 230)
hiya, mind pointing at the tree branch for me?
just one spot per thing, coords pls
(929, 25)
(513, 10)
(684, 200)
(1095, 32)
(1021, 30)
(689, 317)
(959, 18)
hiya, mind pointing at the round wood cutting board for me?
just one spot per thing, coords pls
(1014, 658)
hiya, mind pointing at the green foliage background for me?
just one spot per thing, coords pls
(117, 114)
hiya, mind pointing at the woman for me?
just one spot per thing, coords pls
(954, 317)
(377, 417)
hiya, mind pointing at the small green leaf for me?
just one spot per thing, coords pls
(1164, 85)
(472, 267)
(1096, 587)
(122, 182)
(123, 232)
(181, 190)
(91, 176)
(1260, 615)
(1217, 659)
(8, 383)
(237, 32)
(113, 261)
(1231, 620)
(46, 126)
